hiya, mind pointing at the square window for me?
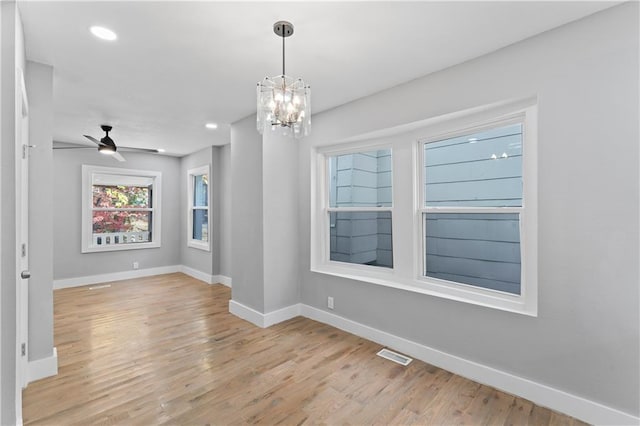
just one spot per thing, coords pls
(120, 209)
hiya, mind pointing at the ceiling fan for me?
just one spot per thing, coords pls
(107, 146)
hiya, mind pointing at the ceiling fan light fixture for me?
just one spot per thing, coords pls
(107, 149)
(284, 102)
(103, 33)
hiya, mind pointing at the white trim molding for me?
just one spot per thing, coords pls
(44, 367)
(198, 275)
(207, 278)
(114, 276)
(221, 279)
(264, 320)
(139, 273)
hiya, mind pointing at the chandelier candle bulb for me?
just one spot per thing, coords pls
(283, 102)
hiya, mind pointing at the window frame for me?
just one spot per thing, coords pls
(88, 173)
(325, 262)
(407, 190)
(527, 301)
(191, 175)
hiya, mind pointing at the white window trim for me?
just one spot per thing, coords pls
(407, 275)
(526, 302)
(198, 244)
(327, 209)
(87, 199)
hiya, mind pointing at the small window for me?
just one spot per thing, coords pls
(120, 209)
(198, 216)
(359, 208)
(473, 205)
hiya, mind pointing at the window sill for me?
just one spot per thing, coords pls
(196, 244)
(120, 247)
(431, 287)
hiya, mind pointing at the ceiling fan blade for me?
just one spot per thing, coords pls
(92, 139)
(130, 148)
(118, 156)
(74, 147)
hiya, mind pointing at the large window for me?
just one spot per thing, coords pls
(198, 215)
(359, 204)
(452, 213)
(120, 209)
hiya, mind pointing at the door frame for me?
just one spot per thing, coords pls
(22, 234)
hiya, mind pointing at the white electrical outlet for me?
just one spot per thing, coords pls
(330, 302)
(136, 265)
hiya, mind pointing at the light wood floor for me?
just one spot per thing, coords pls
(165, 350)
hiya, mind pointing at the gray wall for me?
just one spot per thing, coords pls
(39, 82)
(68, 260)
(265, 218)
(585, 338)
(247, 224)
(203, 261)
(225, 210)
(209, 262)
(11, 56)
(280, 216)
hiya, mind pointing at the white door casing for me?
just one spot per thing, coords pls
(22, 237)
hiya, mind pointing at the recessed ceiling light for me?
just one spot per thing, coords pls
(103, 33)
(211, 126)
(161, 150)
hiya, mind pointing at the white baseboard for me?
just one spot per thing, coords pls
(246, 313)
(207, 278)
(199, 275)
(139, 273)
(222, 279)
(44, 367)
(543, 395)
(260, 319)
(280, 315)
(114, 276)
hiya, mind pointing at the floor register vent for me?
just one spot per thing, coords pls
(395, 357)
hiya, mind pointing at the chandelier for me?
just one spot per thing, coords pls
(284, 102)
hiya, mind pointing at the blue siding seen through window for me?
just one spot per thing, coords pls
(361, 180)
(478, 249)
(481, 169)
(361, 237)
(200, 217)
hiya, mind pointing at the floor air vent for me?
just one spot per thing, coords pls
(395, 357)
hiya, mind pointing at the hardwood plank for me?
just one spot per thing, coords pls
(165, 350)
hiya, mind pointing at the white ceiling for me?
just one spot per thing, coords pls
(177, 65)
